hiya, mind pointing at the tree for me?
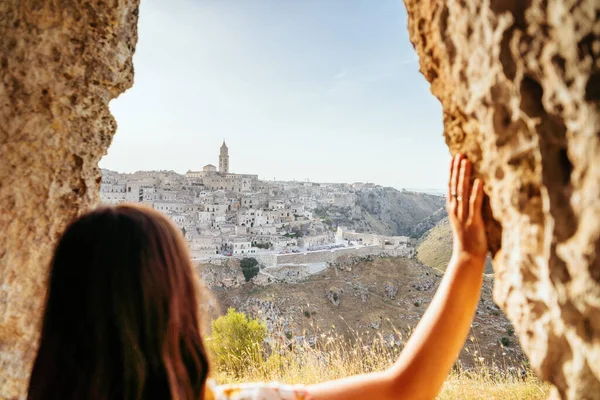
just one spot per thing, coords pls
(237, 341)
(249, 267)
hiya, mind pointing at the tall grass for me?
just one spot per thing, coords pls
(321, 356)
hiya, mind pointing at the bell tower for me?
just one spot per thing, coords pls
(224, 159)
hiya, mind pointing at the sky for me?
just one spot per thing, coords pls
(318, 90)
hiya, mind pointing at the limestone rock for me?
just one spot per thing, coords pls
(228, 275)
(390, 290)
(519, 82)
(334, 296)
(61, 62)
(423, 285)
(268, 312)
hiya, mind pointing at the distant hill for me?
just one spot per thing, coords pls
(387, 211)
(434, 248)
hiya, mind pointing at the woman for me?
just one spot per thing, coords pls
(121, 319)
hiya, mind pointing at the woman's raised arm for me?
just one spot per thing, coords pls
(425, 362)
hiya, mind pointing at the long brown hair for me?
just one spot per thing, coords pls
(121, 318)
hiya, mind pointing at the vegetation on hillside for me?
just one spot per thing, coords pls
(434, 248)
(249, 268)
(377, 297)
(236, 343)
(332, 356)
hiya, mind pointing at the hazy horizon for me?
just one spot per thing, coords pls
(312, 90)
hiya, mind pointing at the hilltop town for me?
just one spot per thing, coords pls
(360, 252)
(224, 214)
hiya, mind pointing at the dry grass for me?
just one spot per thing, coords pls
(331, 356)
(476, 386)
(434, 248)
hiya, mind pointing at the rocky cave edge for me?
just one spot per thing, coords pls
(519, 82)
(61, 62)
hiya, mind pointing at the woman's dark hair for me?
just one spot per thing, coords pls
(121, 318)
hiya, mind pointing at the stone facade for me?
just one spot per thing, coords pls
(519, 82)
(60, 65)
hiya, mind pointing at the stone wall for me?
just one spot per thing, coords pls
(61, 62)
(274, 260)
(332, 255)
(519, 82)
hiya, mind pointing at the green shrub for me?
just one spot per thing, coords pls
(505, 341)
(248, 262)
(249, 267)
(237, 342)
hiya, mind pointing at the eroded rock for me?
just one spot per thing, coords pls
(519, 82)
(334, 296)
(391, 290)
(61, 62)
(229, 275)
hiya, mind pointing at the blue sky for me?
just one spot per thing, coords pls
(325, 90)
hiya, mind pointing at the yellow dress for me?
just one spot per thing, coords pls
(255, 391)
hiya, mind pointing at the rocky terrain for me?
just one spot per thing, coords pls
(360, 297)
(387, 211)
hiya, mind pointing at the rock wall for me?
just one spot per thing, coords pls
(61, 62)
(519, 81)
(226, 275)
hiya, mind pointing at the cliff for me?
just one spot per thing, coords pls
(387, 211)
(61, 62)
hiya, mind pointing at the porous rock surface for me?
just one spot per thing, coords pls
(61, 62)
(519, 81)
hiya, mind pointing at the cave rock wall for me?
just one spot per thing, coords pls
(61, 62)
(519, 82)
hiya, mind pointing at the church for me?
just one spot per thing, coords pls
(222, 179)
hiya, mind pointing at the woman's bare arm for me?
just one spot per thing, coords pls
(423, 365)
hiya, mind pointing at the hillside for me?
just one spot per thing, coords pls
(434, 248)
(376, 296)
(388, 211)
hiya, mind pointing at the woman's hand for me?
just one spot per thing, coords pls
(464, 210)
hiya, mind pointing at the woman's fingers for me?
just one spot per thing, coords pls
(450, 179)
(476, 201)
(453, 192)
(464, 189)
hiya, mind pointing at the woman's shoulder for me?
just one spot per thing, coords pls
(255, 391)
